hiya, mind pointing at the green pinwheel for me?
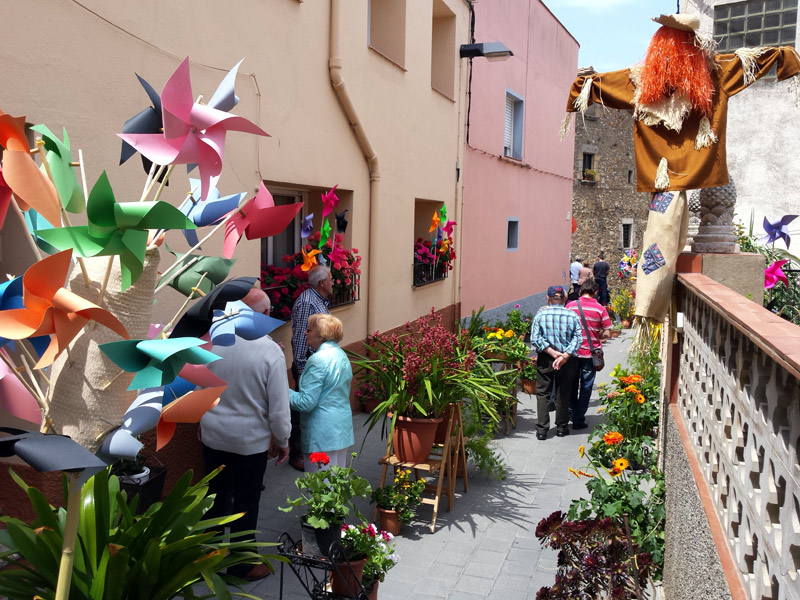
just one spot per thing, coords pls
(202, 273)
(116, 229)
(59, 159)
(156, 362)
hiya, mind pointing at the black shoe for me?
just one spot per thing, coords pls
(562, 432)
(541, 436)
(580, 425)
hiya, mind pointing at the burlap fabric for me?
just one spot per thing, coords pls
(664, 239)
(84, 406)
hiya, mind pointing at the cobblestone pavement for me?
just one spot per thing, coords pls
(485, 547)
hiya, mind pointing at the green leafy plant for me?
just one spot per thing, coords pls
(528, 369)
(504, 344)
(516, 321)
(403, 496)
(119, 555)
(327, 495)
(480, 447)
(476, 324)
(365, 541)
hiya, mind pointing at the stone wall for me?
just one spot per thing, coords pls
(600, 207)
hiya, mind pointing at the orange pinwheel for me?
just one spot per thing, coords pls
(189, 408)
(309, 259)
(30, 185)
(435, 221)
(52, 309)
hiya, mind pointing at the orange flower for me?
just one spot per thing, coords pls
(581, 450)
(632, 389)
(631, 379)
(585, 474)
(640, 398)
(612, 438)
(614, 472)
(621, 464)
(574, 472)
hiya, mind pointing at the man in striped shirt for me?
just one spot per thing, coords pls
(599, 325)
(556, 335)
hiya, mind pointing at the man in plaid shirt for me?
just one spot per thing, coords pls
(556, 335)
(311, 301)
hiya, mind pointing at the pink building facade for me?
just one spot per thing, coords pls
(518, 174)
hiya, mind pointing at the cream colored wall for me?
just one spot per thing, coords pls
(72, 64)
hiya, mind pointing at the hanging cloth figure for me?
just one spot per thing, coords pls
(679, 97)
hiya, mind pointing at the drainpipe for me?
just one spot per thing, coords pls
(335, 68)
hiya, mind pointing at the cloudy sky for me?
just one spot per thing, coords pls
(613, 34)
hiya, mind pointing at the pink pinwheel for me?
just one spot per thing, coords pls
(777, 229)
(774, 273)
(258, 218)
(329, 200)
(337, 255)
(193, 133)
(448, 228)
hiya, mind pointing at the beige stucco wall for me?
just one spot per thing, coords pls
(72, 64)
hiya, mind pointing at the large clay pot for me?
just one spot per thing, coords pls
(413, 438)
(626, 323)
(317, 542)
(615, 333)
(390, 520)
(528, 386)
(346, 577)
(441, 428)
(370, 404)
(373, 595)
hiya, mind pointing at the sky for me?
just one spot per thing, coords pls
(613, 34)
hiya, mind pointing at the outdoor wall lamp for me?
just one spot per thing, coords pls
(489, 50)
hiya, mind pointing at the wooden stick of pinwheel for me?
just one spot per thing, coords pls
(40, 399)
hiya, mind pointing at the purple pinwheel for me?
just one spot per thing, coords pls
(329, 200)
(308, 226)
(208, 212)
(774, 273)
(193, 133)
(777, 229)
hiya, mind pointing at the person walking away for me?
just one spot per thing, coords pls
(574, 273)
(556, 335)
(250, 424)
(600, 272)
(599, 325)
(312, 301)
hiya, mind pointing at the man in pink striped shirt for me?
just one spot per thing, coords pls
(599, 325)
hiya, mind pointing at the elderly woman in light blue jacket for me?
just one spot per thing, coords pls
(324, 398)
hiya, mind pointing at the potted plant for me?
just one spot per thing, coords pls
(616, 329)
(369, 553)
(138, 479)
(419, 373)
(623, 303)
(589, 175)
(527, 375)
(518, 322)
(396, 502)
(327, 496)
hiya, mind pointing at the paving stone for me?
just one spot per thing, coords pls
(474, 585)
(482, 570)
(519, 583)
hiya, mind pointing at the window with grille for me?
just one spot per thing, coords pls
(755, 23)
(627, 234)
(512, 126)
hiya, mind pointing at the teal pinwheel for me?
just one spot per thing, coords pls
(59, 159)
(156, 362)
(116, 229)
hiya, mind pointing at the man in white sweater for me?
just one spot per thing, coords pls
(250, 424)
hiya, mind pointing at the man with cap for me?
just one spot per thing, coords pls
(556, 335)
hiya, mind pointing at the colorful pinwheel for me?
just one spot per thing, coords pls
(197, 320)
(142, 416)
(324, 233)
(239, 320)
(31, 187)
(203, 273)
(48, 452)
(443, 213)
(35, 222)
(329, 201)
(50, 308)
(145, 121)
(116, 229)
(156, 362)
(337, 254)
(777, 229)
(208, 212)
(188, 408)
(308, 259)
(448, 228)
(258, 218)
(435, 222)
(10, 298)
(341, 222)
(308, 226)
(774, 273)
(59, 159)
(15, 399)
(193, 133)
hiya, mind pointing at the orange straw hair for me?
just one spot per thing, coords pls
(675, 63)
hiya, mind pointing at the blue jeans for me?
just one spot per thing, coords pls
(581, 392)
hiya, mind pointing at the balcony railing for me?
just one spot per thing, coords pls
(346, 296)
(737, 405)
(425, 273)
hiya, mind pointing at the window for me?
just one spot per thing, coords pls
(755, 23)
(588, 172)
(630, 175)
(627, 234)
(443, 50)
(387, 29)
(512, 235)
(513, 126)
(274, 248)
(430, 264)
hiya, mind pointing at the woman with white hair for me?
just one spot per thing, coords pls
(323, 399)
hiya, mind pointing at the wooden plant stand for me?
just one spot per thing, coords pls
(440, 466)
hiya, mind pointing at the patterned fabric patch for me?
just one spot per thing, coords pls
(652, 259)
(660, 201)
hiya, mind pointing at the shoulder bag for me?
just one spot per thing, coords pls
(598, 361)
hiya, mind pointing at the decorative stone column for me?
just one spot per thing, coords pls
(715, 233)
(694, 217)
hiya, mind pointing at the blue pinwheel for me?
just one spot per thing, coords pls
(240, 320)
(777, 229)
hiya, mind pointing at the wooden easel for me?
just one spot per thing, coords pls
(446, 465)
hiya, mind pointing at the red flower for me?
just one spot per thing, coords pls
(320, 457)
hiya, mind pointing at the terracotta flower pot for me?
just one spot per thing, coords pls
(413, 438)
(626, 323)
(346, 578)
(369, 405)
(441, 428)
(373, 595)
(615, 333)
(390, 520)
(528, 386)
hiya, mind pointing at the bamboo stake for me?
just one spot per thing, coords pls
(64, 215)
(31, 241)
(33, 360)
(70, 535)
(47, 423)
(163, 183)
(153, 167)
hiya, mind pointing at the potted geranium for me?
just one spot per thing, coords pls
(327, 496)
(396, 502)
(369, 553)
(420, 372)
